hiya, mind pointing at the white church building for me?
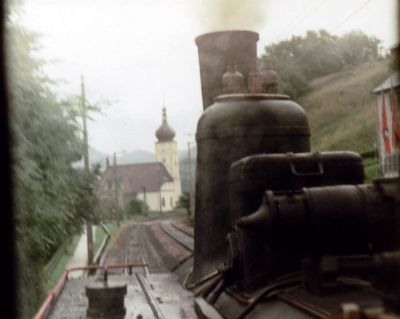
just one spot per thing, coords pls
(158, 184)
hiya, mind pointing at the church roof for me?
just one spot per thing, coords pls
(165, 133)
(134, 177)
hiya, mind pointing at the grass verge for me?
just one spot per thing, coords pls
(370, 169)
(63, 262)
(100, 234)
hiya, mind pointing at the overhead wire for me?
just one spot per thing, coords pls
(307, 12)
(353, 13)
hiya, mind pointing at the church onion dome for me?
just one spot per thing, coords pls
(165, 133)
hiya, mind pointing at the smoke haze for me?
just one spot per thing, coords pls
(217, 15)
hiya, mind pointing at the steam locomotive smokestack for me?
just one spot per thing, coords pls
(216, 51)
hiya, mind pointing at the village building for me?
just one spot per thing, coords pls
(157, 184)
(167, 153)
(388, 129)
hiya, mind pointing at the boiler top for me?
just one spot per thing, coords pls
(245, 115)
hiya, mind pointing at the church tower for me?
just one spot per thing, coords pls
(167, 153)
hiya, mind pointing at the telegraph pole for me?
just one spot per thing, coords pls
(160, 193)
(116, 190)
(144, 194)
(191, 189)
(89, 231)
(190, 180)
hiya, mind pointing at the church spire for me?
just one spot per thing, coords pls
(165, 133)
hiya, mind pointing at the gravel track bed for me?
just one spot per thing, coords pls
(171, 252)
(145, 242)
(184, 228)
(179, 236)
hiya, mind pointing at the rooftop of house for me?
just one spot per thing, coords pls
(391, 82)
(136, 178)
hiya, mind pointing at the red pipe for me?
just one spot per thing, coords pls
(53, 294)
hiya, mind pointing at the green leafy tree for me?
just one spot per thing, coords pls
(356, 48)
(184, 202)
(52, 200)
(299, 60)
(136, 207)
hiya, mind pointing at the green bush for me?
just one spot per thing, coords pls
(184, 202)
(136, 207)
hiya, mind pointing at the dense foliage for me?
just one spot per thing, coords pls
(302, 59)
(136, 207)
(52, 200)
(184, 202)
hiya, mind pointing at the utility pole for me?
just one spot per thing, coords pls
(159, 178)
(116, 184)
(191, 188)
(89, 231)
(190, 180)
(144, 194)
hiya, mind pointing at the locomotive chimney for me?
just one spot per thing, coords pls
(219, 49)
(241, 122)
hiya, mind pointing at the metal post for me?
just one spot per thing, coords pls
(159, 177)
(144, 194)
(89, 231)
(116, 184)
(190, 181)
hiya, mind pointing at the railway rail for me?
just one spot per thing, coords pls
(153, 291)
(180, 236)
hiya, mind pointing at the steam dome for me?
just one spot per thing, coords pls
(165, 133)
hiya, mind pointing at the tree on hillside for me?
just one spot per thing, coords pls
(356, 48)
(51, 199)
(302, 59)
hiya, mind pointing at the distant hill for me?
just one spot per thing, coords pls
(137, 156)
(95, 157)
(342, 110)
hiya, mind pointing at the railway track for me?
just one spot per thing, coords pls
(153, 290)
(181, 237)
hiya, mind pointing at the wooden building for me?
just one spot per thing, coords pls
(388, 127)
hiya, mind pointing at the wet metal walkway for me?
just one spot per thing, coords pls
(148, 296)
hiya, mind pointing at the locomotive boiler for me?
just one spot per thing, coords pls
(281, 231)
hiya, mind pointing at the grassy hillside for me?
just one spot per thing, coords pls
(341, 108)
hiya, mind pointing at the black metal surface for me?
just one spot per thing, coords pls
(235, 126)
(216, 51)
(345, 219)
(270, 77)
(252, 175)
(106, 300)
(232, 80)
(252, 250)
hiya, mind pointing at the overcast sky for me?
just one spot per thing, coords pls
(140, 54)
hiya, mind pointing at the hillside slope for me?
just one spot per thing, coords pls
(341, 108)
